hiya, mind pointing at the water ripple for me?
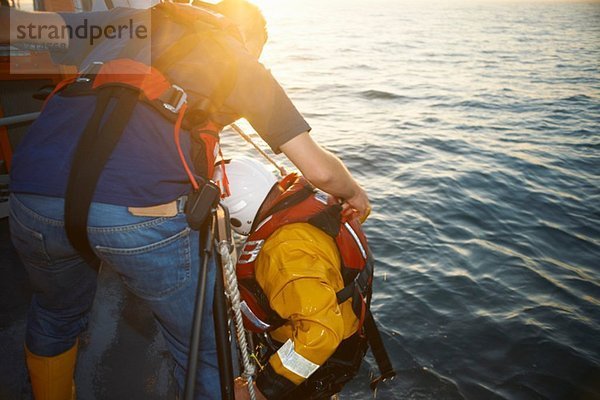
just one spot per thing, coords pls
(382, 95)
(474, 128)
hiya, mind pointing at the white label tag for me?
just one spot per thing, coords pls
(294, 361)
(321, 197)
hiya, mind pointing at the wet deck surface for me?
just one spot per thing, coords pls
(121, 356)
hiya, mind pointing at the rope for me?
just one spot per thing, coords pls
(231, 286)
(248, 139)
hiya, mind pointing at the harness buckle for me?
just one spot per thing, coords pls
(87, 74)
(175, 99)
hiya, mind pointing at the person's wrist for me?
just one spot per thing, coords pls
(355, 192)
(360, 202)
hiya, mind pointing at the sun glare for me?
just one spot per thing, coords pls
(265, 3)
(269, 5)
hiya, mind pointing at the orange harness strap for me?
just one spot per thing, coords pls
(152, 86)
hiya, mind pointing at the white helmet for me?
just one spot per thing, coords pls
(249, 184)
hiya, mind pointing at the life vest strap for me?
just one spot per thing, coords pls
(360, 284)
(384, 364)
(151, 83)
(131, 82)
(157, 92)
(173, 98)
(93, 150)
(359, 291)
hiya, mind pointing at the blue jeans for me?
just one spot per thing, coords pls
(157, 259)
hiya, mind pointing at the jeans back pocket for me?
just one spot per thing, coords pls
(154, 270)
(30, 243)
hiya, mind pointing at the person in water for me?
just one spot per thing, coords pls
(206, 57)
(301, 252)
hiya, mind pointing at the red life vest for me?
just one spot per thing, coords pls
(301, 202)
(158, 91)
(125, 82)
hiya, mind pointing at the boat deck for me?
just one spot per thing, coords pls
(121, 355)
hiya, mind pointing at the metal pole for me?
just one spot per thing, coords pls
(226, 249)
(17, 119)
(222, 336)
(206, 245)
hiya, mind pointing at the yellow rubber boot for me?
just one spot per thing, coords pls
(52, 377)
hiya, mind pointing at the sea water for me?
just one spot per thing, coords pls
(474, 127)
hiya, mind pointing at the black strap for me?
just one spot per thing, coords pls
(378, 349)
(359, 284)
(97, 143)
(346, 292)
(329, 220)
(93, 150)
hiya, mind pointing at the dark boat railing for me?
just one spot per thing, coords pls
(17, 119)
(4, 179)
(3, 204)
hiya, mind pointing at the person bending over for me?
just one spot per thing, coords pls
(302, 251)
(104, 173)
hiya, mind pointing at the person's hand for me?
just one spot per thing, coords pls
(241, 390)
(358, 204)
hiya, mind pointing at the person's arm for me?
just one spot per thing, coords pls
(326, 171)
(295, 269)
(259, 98)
